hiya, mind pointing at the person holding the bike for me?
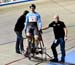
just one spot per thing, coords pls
(33, 24)
(19, 26)
(60, 33)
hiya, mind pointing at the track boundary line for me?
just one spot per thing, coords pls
(15, 61)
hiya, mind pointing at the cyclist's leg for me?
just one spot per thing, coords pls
(28, 35)
(36, 37)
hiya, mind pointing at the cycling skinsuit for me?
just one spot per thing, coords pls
(32, 23)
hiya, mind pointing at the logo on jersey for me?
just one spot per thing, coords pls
(54, 25)
(58, 24)
(32, 19)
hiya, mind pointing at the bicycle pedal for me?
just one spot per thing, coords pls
(41, 52)
(36, 52)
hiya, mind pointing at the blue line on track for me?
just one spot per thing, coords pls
(15, 2)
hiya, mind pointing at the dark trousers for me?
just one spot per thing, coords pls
(19, 42)
(62, 48)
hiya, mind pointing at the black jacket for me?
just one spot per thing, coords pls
(19, 26)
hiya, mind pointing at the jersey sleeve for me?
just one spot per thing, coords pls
(63, 25)
(39, 22)
(50, 25)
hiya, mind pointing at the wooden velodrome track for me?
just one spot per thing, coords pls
(47, 9)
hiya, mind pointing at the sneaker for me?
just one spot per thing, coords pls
(18, 52)
(54, 60)
(22, 52)
(62, 61)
